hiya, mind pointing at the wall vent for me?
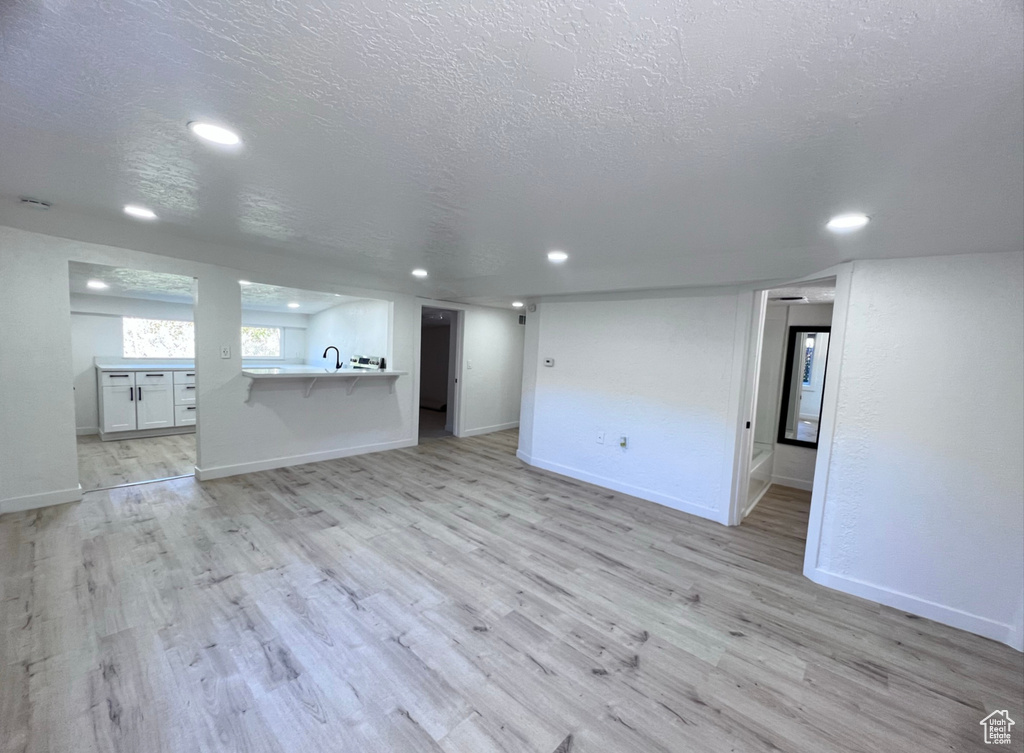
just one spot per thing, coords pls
(34, 203)
(522, 318)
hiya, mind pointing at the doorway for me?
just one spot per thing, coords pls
(439, 377)
(787, 373)
(133, 356)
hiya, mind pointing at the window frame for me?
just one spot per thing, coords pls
(188, 322)
(280, 340)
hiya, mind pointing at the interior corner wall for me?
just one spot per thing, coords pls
(357, 328)
(492, 370)
(663, 372)
(922, 507)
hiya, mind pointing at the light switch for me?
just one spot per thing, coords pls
(469, 364)
(549, 361)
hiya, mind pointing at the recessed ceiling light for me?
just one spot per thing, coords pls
(557, 256)
(517, 304)
(97, 285)
(293, 305)
(244, 282)
(847, 223)
(419, 273)
(215, 133)
(139, 213)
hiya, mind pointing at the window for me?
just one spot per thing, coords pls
(261, 342)
(157, 338)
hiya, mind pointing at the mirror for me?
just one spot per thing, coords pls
(803, 386)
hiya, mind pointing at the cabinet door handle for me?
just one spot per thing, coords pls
(190, 387)
(118, 376)
(192, 374)
(131, 394)
(190, 408)
(140, 393)
(154, 374)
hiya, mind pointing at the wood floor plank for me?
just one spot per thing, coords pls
(449, 599)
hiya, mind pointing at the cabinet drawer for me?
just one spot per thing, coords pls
(153, 378)
(184, 377)
(184, 394)
(117, 379)
(185, 415)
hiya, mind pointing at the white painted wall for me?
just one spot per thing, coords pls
(92, 335)
(769, 383)
(492, 370)
(920, 504)
(96, 332)
(662, 371)
(38, 456)
(355, 328)
(794, 466)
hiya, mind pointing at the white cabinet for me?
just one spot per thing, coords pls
(142, 400)
(117, 403)
(184, 415)
(154, 400)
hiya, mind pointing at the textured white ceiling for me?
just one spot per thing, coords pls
(161, 286)
(130, 283)
(660, 143)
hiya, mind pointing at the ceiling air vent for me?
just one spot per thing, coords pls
(790, 298)
(34, 203)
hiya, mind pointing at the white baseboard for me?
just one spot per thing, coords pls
(634, 491)
(489, 429)
(222, 471)
(972, 623)
(83, 431)
(43, 499)
(795, 483)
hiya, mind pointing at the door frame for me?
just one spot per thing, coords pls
(842, 274)
(455, 361)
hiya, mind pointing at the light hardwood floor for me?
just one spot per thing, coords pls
(449, 598)
(105, 464)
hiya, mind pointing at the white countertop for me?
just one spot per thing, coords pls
(307, 372)
(149, 366)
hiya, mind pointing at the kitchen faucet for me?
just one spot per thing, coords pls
(337, 356)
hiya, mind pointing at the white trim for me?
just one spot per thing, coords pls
(222, 471)
(43, 499)
(796, 483)
(746, 371)
(827, 425)
(634, 491)
(83, 431)
(972, 623)
(750, 508)
(489, 429)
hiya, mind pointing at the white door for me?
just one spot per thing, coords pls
(119, 408)
(154, 400)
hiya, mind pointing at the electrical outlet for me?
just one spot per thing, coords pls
(600, 437)
(469, 364)
(623, 440)
(225, 351)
